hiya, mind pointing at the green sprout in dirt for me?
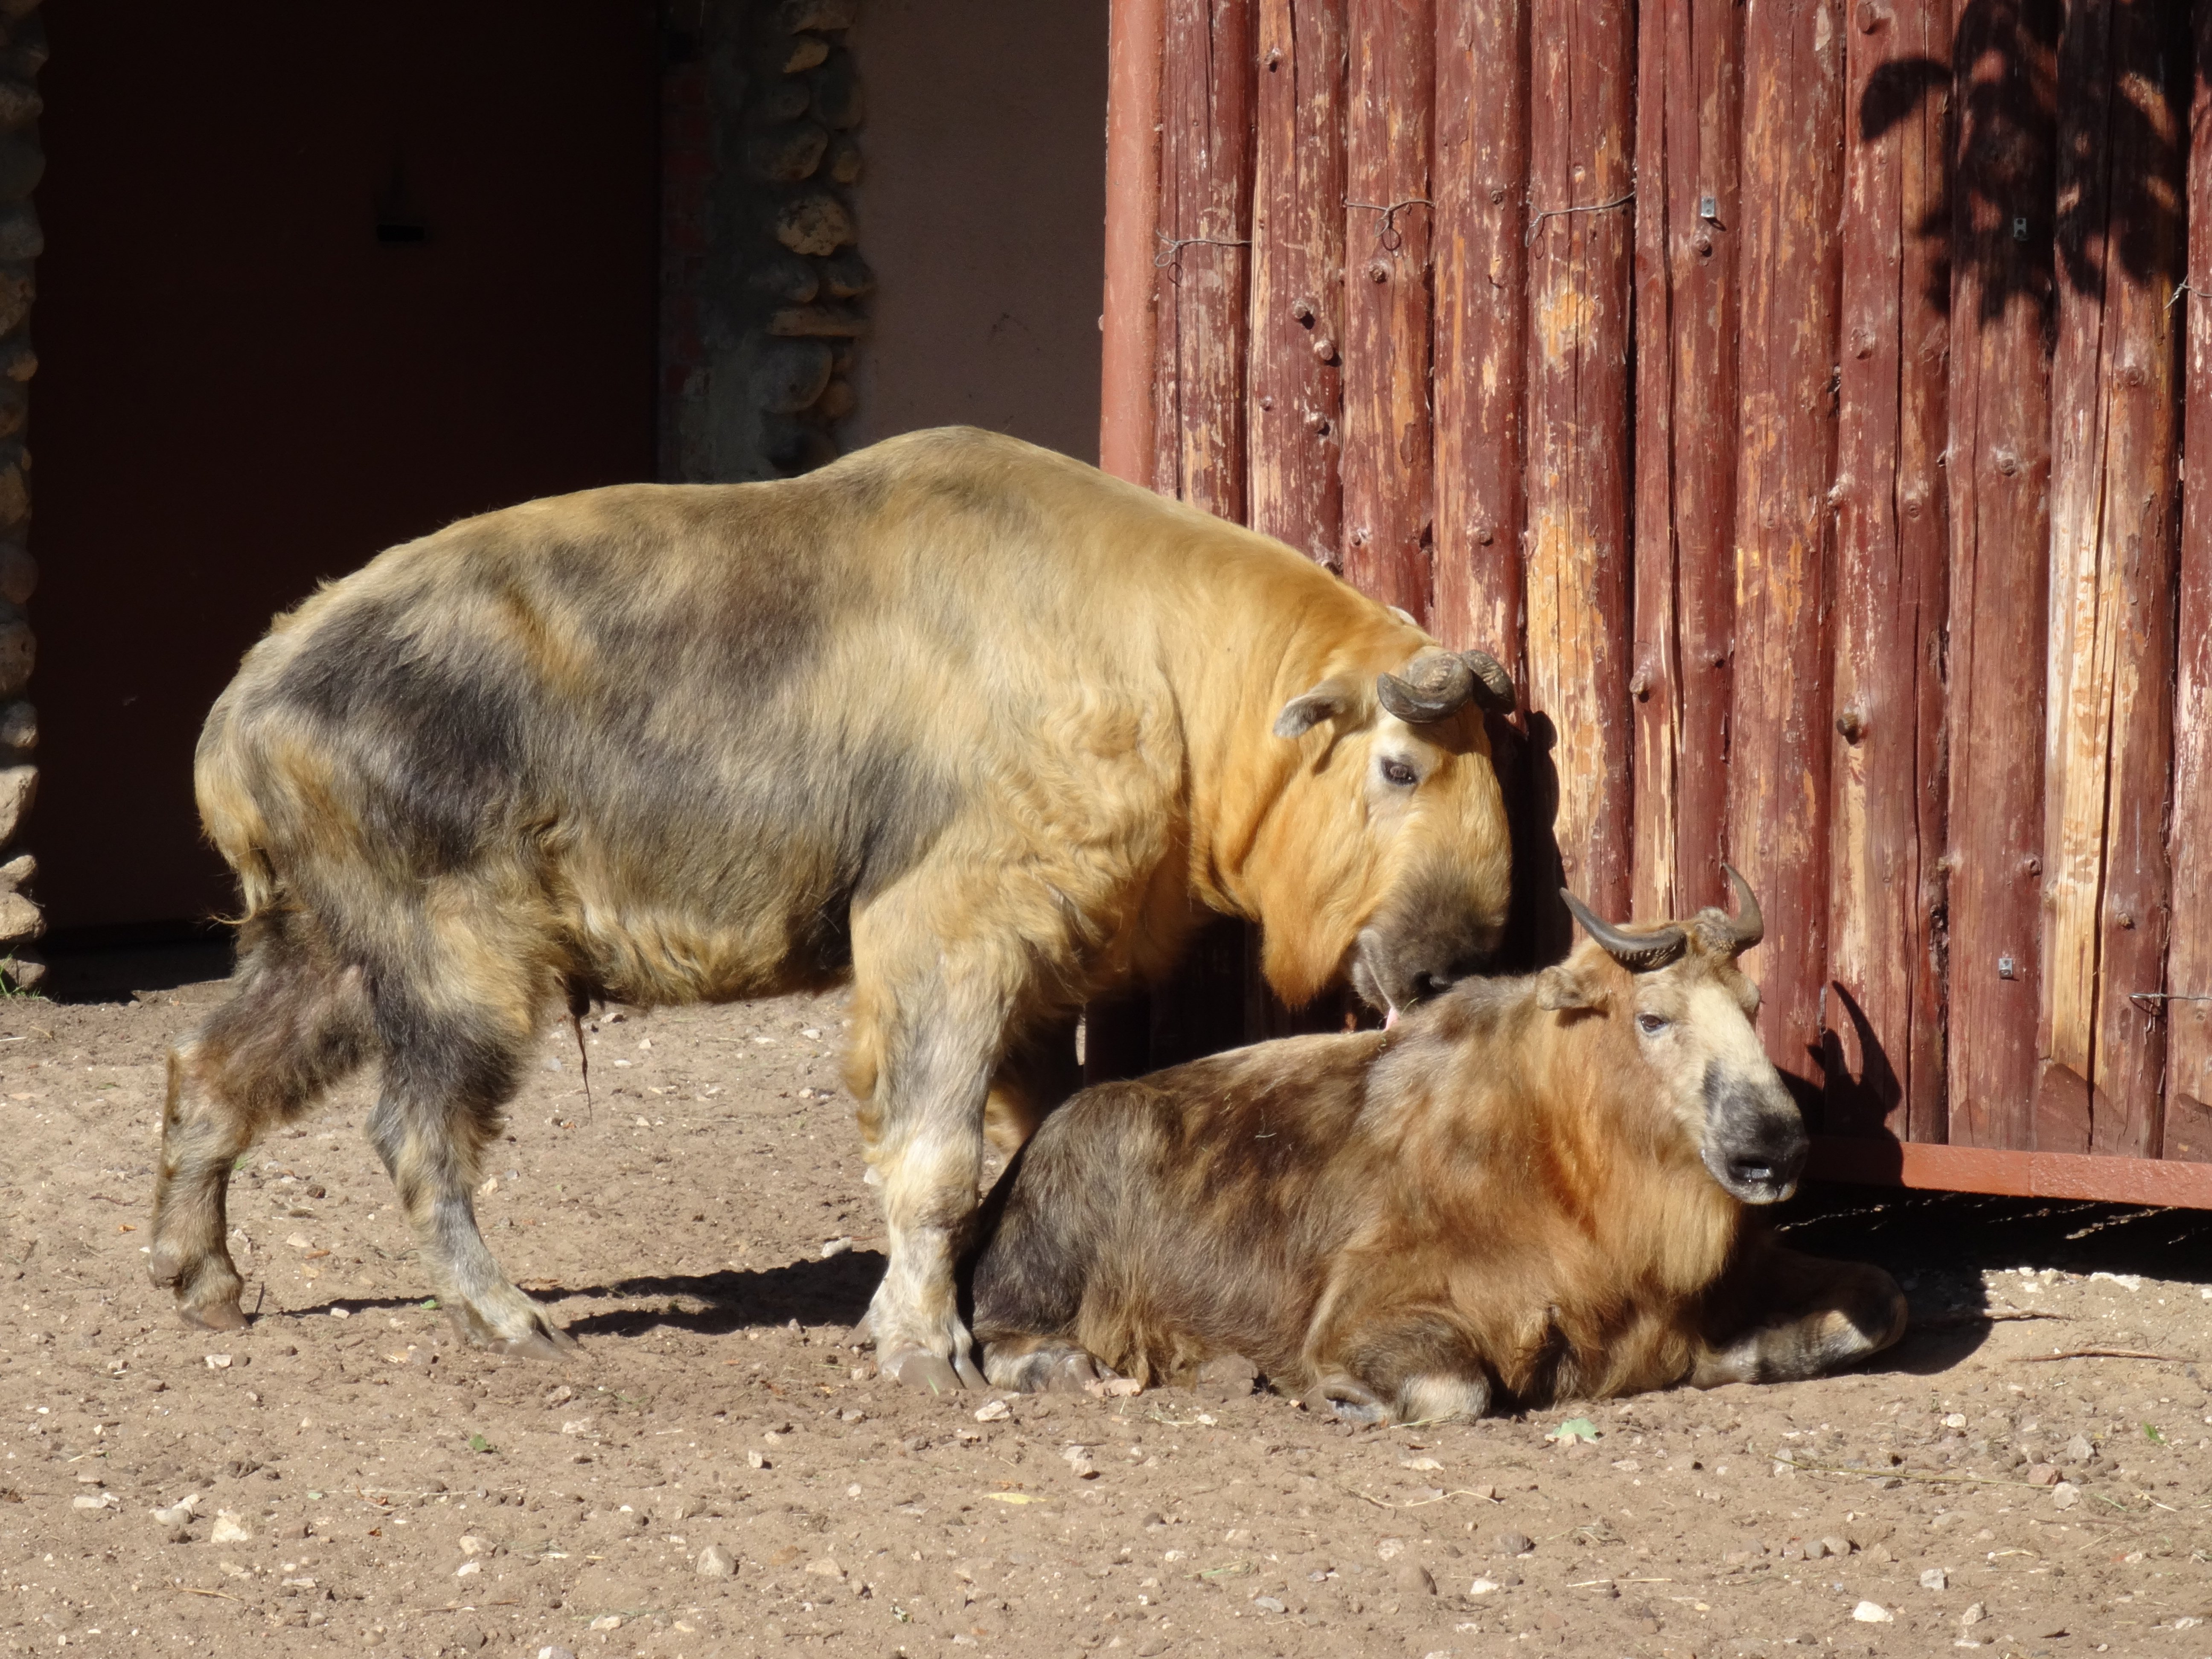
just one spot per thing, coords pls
(478, 1443)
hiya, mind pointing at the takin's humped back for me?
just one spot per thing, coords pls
(1531, 1188)
(964, 721)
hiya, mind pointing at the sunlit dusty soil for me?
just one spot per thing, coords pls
(363, 1483)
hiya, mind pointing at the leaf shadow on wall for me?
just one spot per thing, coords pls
(2000, 210)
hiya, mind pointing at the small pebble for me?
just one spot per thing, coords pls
(1936, 1579)
(715, 1563)
(1873, 1612)
(1415, 1577)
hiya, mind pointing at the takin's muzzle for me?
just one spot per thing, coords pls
(1418, 944)
(1754, 1143)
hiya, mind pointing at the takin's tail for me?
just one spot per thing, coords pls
(224, 774)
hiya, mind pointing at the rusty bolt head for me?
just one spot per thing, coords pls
(1378, 270)
(1851, 724)
(1324, 348)
(1302, 310)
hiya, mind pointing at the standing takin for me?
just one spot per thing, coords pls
(963, 722)
(1529, 1189)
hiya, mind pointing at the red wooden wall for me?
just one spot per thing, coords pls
(1798, 396)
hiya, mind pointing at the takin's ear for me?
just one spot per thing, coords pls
(1561, 990)
(1325, 701)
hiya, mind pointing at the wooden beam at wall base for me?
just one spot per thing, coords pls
(2022, 1175)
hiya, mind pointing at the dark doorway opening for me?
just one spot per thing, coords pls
(320, 278)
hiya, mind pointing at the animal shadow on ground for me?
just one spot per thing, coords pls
(831, 1292)
(1941, 1245)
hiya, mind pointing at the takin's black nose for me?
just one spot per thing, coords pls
(1755, 1145)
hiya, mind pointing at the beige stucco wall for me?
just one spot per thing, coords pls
(981, 210)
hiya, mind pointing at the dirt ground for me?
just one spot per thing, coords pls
(343, 1476)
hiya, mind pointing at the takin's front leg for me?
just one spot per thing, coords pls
(1417, 1368)
(1781, 1317)
(928, 1027)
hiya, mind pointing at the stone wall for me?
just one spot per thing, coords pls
(762, 285)
(23, 51)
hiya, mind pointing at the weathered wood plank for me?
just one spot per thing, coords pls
(1387, 496)
(1777, 771)
(2189, 960)
(2122, 83)
(1481, 181)
(1128, 340)
(1581, 115)
(1688, 124)
(1115, 1043)
(1886, 837)
(1206, 216)
(1207, 95)
(2004, 102)
(1295, 403)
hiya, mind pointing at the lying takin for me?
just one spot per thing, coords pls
(1530, 1190)
(967, 724)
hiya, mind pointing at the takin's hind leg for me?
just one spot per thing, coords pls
(298, 1022)
(1043, 1364)
(1783, 1317)
(449, 1071)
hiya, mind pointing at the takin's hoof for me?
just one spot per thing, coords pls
(213, 1316)
(1051, 1368)
(549, 1344)
(918, 1368)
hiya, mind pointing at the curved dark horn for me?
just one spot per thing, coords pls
(1634, 952)
(1750, 925)
(1494, 686)
(1436, 684)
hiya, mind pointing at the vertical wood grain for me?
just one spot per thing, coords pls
(1777, 771)
(1388, 497)
(1886, 762)
(2114, 414)
(1127, 342)
(1688, 226)
(1581, 230)
(2004, 96)
(1481, 187)
(2189, 963)
(1205, 214)
(1295, 403)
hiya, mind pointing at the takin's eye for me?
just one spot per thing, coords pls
(1397, 772)
(1651, 1024)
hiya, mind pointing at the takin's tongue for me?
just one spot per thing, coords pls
(1390, 1018)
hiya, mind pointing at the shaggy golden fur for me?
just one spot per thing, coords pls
(969, 723)
(1517, 1195)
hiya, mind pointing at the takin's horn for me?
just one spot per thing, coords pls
(1748, 927)
(1635, 952)
(1494, 686)
(1436, 684)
